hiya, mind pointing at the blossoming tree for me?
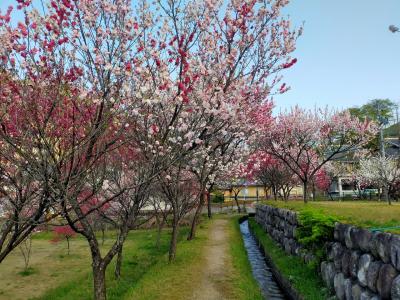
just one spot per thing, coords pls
(87, 83)
(384, 172)
(306, 140)
(273, 174)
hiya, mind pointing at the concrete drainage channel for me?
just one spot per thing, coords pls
(261, 271)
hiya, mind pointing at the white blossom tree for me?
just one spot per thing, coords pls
(381, 171)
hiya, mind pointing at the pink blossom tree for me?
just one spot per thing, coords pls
(306, 140)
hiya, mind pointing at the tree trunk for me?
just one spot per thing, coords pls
(196, 217)
(387, 198)
(286, 193)
(68, 245)
(159, 231)
(174, 240)
(274, 191)
(313, 191)
(265, 192)
(237, 203)
(99, 279)
(209, 205)
(305, 192)
(102, 235)
(118, 263)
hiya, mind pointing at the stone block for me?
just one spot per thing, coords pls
(338, 283)
(339, 232)
(329, 251)
(356, 291)
(346, 262)
(363, 266)
(296, 248)
(380, 246)
(368, 295)
(361, 238)
(294, 218)
(286, 245)
(337, 253)
(385, 278)
(347, 237)
(348, 289)
(328, 274)
(395, 290)
(293, 233)
(354, 258)
(395, 251)
(372, 275)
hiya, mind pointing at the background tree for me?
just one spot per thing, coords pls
(381, 111)
(25, 248)
(381, 171)
(274, 175)
(322, 181)
(306, 140)
(63, 233)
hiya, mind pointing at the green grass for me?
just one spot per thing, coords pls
(29, 271)
(140, 254)
(146, 273)
(361, 213)
(176, 280)
(180, 279)
(303, 277)
(244, 286)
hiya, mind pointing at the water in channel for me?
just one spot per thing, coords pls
(261, 272)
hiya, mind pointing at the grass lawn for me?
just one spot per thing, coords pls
(49, 266)
(164, 280)
(365, 214)
(303, 277)
(179, 280)
(146, 273)
(55, 275)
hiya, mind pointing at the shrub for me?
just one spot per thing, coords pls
(316, 229)
(217, 197)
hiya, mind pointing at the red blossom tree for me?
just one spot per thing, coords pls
(274, 174)
(63, 232)
(322, 180)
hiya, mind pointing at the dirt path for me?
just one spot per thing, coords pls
(217, 266)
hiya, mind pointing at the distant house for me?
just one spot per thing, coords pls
(254, 191)
(343, 183)
(392, 147)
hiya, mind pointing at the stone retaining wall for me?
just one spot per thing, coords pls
(281, 225)
(360, 265)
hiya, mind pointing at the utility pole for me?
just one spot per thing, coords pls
(397, 121)
(382, 122)
(381, 126)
